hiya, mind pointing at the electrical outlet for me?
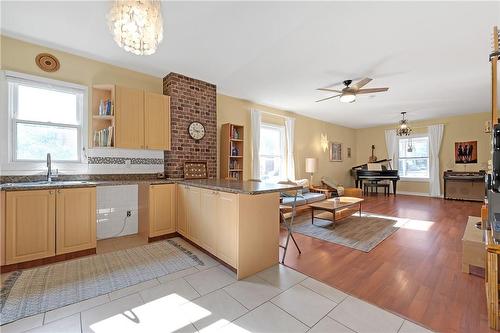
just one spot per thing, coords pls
(129, 213)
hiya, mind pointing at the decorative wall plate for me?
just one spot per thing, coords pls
(47, 62)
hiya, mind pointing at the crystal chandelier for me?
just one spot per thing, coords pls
(403, 128)
(136, 25)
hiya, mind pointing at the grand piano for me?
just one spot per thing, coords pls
(361, 172)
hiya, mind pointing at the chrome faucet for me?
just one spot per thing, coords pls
(49, 168)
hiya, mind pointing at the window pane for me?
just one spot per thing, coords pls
(270, 168)
(414, 168)
(270, 141)
(419, 147)
(45, 105)
(35, 141)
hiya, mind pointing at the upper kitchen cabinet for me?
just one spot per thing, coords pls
(130, 118)
(156, 121)
(129, 110)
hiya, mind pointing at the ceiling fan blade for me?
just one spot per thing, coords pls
(330, 90)
(324, 99)
(360, 84)
(371, 90)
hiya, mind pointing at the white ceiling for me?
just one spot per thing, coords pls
(432, 55)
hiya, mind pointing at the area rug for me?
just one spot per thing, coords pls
(49, 287)
(361, 233)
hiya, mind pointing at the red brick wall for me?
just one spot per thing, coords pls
(191, 100)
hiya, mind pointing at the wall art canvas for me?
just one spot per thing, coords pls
(466, 152)
(335, 152)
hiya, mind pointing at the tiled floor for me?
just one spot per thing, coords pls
(209, 299)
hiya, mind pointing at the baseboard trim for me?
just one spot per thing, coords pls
(420, 194)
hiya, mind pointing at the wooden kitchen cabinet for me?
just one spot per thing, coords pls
(226, 224)
(182, 226)
(129, 117)
(162, 209)
(208, 218)
(193, 214)
(156, 121)
(75, 219)
(29, 225)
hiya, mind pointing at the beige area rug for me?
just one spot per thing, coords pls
(361, 233)
(49, 287)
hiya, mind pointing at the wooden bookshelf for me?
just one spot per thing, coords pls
(231, 162)
(100, 122)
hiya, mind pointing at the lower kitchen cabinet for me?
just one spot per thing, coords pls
(44, 223)
(227, 228)
(29, 225)
(182, 226)
(162, 212)
(75, 219)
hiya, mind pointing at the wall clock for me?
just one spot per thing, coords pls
(196, 130)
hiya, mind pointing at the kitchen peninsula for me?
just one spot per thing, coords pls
(235, 221)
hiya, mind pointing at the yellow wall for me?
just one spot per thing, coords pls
(20, 56)
(307, 138)
(460, 128)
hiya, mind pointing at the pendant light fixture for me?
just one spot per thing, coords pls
(403, 128)
(136, 25)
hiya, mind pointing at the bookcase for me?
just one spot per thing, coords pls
(103, 116)
(231, 151)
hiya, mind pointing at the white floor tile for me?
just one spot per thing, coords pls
(325, 290)
(115, 316)
(304, 304)
(210, 312)
(71, 309)
(178, 274)
(228, 271)
(409, 327)
(69, 324)
(176, 291)
(328, 325)
(363, 317)
(209, 280)
(133, 289)
(281, 276)
(252, 291)
(266, 318)
(208, 262)
(23, 324)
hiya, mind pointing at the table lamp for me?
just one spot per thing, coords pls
(311, 167)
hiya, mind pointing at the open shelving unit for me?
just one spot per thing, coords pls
(100, 122)
(231, 151)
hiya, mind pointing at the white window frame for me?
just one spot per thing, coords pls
(9, 163)
(414, 179)
(281, 129)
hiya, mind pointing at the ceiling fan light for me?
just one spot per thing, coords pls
(347, 98)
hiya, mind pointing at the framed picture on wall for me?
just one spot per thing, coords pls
(335, 152)
(466, 152)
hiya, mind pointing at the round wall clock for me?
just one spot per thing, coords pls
(196, 130)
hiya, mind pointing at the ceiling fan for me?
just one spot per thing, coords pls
(348, 94)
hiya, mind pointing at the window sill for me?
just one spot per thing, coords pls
(418, 180)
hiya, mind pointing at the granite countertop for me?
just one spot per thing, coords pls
(230, 186)
(240, 187)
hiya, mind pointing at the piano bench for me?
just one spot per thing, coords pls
(375, 186)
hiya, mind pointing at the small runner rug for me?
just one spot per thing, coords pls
(361, 233)
(38, 290)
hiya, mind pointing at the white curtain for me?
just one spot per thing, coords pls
(391, 143)
(256, 119)
(290, 164)
(435, 138)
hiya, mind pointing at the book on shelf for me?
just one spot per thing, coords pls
(104, 137)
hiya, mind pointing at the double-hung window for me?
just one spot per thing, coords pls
(413, 157)
(272, 152)
(45, 116)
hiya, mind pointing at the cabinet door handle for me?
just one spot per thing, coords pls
(58, 191)
(50, 192)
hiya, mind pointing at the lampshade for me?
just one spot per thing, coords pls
(310, 165)
(347, 98)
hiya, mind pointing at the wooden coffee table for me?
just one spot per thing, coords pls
(331, 206)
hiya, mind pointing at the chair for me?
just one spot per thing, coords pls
(288, 209)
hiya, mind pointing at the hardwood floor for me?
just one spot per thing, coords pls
(415, 272)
